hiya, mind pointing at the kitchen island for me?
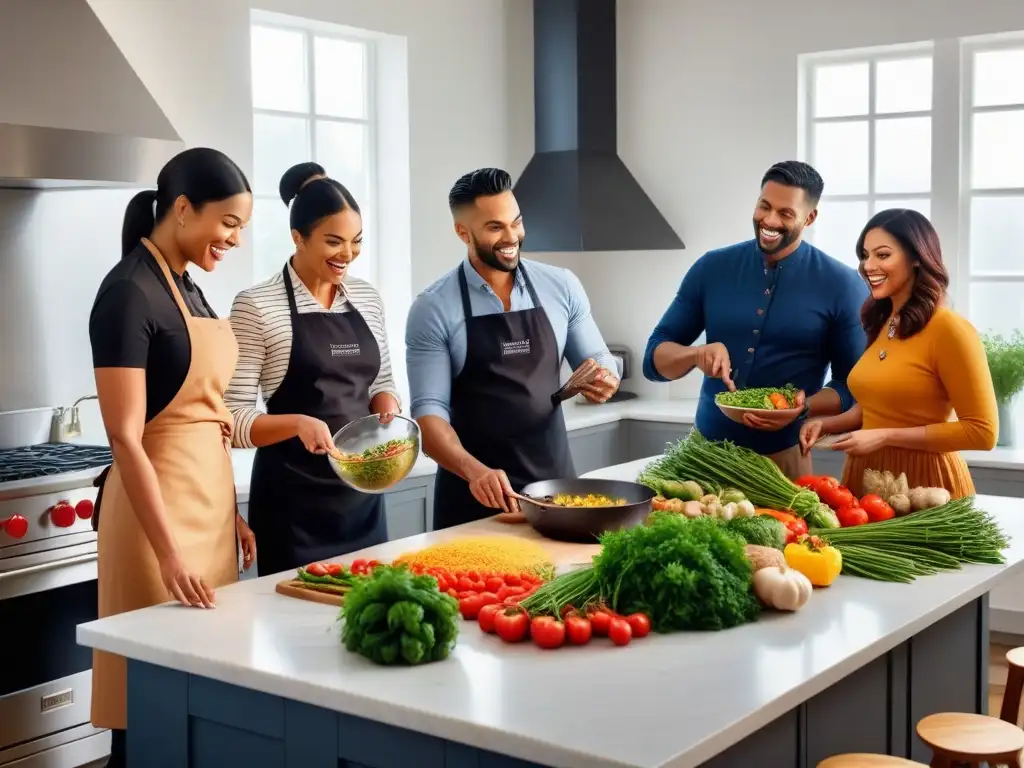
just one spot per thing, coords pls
(263, 680)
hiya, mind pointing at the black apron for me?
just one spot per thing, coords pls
(299, 510)
(501, 405)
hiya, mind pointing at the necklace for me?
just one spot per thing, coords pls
(890, 334)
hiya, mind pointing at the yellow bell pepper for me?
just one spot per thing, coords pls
(817, 561)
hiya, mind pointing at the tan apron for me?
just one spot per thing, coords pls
(189, 446)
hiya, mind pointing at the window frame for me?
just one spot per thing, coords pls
(311, 30)
(807, 122)
(969, 48)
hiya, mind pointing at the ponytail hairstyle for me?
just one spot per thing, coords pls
(201, 174)
(312, 196)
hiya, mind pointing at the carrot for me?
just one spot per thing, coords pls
(779, 401)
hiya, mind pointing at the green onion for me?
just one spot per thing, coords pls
(718, 464)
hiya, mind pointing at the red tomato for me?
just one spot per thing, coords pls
(373, 564)
(877, 508)
(619, 631)
(578, 630)
(316, 569)
(600, 621)
(480, 585)
(459, 574)
(808, 481)
(512, 579)
(358, 563)
(486, 617)
(452, 593)
(442, 583)
(547, 632)
(16, 526)
(840, 497)
(464, 583)
(639, 624)
(798, 526)
(493, 584)
(851, 516)
(488, 598)
(467, 593)
(511, 624)
(335, 569)
(473, 576)
(470, 607)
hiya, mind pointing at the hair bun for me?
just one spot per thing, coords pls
(296, 177)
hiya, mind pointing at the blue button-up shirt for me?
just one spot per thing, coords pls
(781, 325)
(435, 333)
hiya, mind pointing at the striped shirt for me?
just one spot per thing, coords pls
(261, 320)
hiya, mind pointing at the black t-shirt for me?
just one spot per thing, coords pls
(135, 323)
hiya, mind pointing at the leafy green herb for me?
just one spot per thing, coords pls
(760, 530)
(1006, 362)
(394, 617)
(685, 574)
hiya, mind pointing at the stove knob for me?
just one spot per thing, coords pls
(15, 526)
(84, 509)
(62, 514)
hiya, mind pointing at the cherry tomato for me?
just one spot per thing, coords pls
(639, 624)
(488, 598)
(513, 580)
(470, 607)
(358, 563)
(373, 565)
(452, 593)
(16, 526)
(877, 508)
(578, 630)
(442, 583)
(511, 624)
(567, 610)
(486, 616)
(473, 576)
(464, 583)
(493, 584)
(851, 516)
(467, 593)
(600, 621)
(547, 632)
(619, 631)
(335, 569)
(316, 569)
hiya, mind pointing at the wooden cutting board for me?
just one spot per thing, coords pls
(294, 588)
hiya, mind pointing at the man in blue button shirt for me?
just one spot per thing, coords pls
(485, 346)
(775, 310)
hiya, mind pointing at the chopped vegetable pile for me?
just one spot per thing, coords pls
(761, 398)
(926, 542)
(395, 617)
(378, 467)
(590, 500)
(499, 554)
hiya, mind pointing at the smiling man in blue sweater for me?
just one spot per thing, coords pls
(775, 310)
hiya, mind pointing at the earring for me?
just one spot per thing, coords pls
(181, 222)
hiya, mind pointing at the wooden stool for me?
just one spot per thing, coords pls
(1010, 711)
(969, 739)
(868, 761)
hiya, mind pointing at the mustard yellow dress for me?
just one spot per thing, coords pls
(921, 382)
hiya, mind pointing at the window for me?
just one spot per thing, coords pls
(869, 133)
(312, 100)
(993, 204)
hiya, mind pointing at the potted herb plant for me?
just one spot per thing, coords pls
(1006, 362)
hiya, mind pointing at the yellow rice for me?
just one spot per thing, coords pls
(499, 554)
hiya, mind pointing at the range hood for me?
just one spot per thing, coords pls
(575, 193)
(73, 113)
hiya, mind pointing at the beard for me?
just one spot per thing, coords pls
(789, 236)
(489, 256)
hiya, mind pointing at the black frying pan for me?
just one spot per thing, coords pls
(585, 524)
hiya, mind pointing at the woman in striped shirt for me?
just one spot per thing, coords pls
(312, 343)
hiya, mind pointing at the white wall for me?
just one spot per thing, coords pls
(707, 101)
(193, 55)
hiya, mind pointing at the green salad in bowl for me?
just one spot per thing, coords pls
(372, 457)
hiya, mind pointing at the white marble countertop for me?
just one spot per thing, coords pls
(552, 707)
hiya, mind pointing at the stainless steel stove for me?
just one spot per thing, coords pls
(47, 588)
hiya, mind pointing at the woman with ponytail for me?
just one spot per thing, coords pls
(167, 520)
(312, 343)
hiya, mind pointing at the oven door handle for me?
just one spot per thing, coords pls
(43, 567)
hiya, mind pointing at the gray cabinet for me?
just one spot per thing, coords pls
(410, 507)
(651, 438)
(597, 447)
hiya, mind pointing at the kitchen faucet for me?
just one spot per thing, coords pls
(59, 432)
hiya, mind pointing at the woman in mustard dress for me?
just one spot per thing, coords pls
(923, 363)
